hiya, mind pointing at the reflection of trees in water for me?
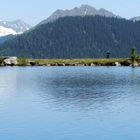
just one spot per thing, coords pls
(78, 88)
(83, 92)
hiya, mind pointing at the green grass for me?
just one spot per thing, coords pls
(26, 61)
(23, 61)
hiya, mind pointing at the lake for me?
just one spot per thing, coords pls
(69, 103)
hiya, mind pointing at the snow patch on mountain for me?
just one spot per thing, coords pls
(6, 31)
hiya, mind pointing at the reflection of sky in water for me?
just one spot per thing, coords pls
(75, 103)
(7, 77)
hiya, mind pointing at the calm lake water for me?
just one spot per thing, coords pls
(69, 103)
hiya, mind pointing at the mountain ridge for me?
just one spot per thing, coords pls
(83, 10)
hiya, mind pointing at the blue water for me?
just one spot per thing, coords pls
(69, 103)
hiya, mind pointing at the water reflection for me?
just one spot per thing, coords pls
(8, 81)
(72, 103)
(86, 89)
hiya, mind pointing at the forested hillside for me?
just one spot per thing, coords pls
(77, 37)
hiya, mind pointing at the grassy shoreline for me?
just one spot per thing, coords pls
(71, 62)
(74, 62)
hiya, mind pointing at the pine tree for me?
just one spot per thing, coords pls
(134, 55)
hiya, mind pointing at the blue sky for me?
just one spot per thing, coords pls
(33, 11)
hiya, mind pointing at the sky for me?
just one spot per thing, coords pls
(34, 11)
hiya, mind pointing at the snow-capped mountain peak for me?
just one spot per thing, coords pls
(13, 27)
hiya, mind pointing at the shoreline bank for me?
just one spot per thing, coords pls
(13, 61)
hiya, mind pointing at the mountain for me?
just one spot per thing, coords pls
(6, 38)
(10, 28)
(76, 37)
(83, 10)
(17, 26)
(135, 18)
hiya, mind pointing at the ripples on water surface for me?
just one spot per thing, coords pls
(69, 103)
